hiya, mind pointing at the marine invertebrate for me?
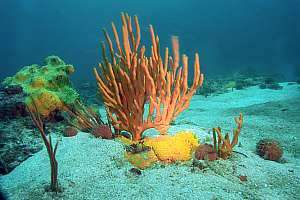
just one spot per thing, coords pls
(102, 131)
(178, 147)
(81, 117)
(46, 102)
(143, 92)
(165, 148)
(86, 119)
(48, 85)
(142, 159)
(269, 149)
(36, 118)
(222, 145)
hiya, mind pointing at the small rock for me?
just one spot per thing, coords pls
(205, 152)
(70, 131)
(243, 178)
(135, 171)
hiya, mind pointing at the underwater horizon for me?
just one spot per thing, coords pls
(230, 36)
(194, 99)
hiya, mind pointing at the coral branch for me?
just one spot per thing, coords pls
(224, 147)
(131, 82)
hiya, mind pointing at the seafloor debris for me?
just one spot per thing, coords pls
(206, 152)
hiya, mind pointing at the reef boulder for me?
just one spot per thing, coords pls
(12, 102)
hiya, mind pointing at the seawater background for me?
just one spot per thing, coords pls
(229, 34)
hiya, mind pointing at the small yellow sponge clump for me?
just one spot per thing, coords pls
(141, 160)
(173, 148)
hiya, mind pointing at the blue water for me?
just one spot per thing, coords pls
(229, 35)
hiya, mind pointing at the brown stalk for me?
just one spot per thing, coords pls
(33, 112)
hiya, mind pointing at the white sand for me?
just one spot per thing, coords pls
(92, 168)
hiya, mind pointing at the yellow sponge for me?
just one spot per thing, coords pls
(173, 148)
(38, 83)
(46, 102)
(141, 160)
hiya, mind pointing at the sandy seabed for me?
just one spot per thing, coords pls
(91, 168)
